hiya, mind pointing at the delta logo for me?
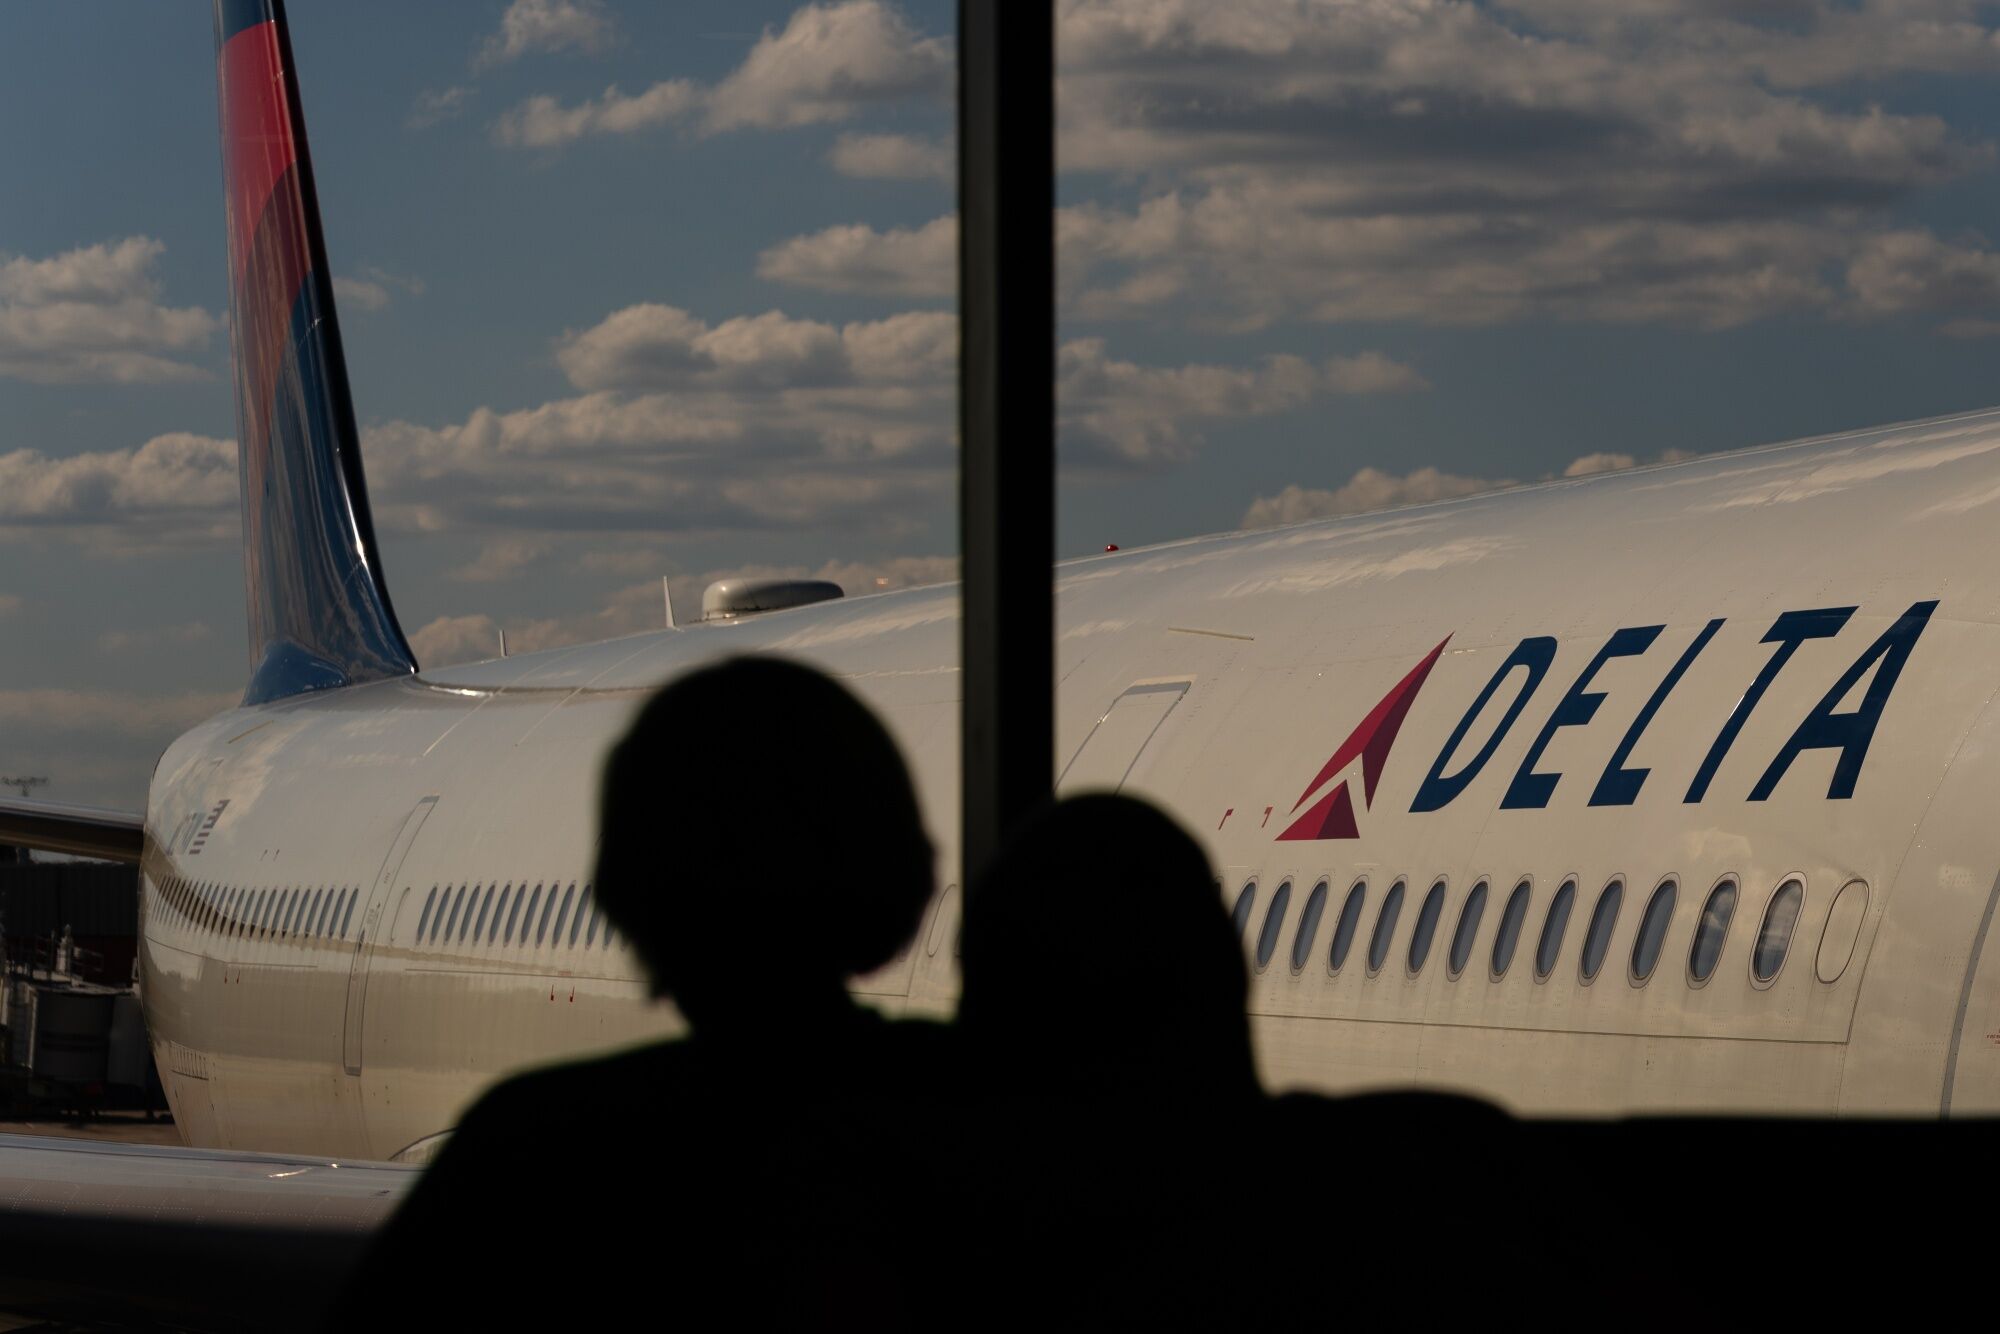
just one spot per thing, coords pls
(1825, 727)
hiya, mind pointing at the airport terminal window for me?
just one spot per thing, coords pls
(1603, 919)
(1344, 929)
(1308, 926)
(1468, 928)
(500, 913)
(1711, 931)
(1385, 927)
(1274, 923)
(1427, 923)
(347, 916)
(1240, 915)
(563, 916)
(576, 922)
(424, 917)
(1652, 937)
(1774, 938)
(1512, 919)
(1554, 927)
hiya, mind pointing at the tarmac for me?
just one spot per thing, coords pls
(108, 1127)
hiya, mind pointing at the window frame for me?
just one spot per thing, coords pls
(1798, 923)
(1524, 889)
(1668, 883)
(1614, 885)
(1480, 892)
(1728, 929)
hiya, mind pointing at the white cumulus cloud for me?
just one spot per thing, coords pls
(93, 314)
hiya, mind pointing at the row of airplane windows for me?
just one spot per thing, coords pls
(1767, 955)
(518, 914)
(256, 914)
(491, 913)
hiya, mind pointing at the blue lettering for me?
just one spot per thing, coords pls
(1619, 786)
(1790, 630)
(1438, 791)
(1530, 790)
(1850, 733)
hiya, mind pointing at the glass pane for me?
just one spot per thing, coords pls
(1308, 926)
(451, 917)
(1344, 929)
(347, 916)
(1554, 927)
(1774, 938)
(1385, 927)
(1711, 931)
(1427, 925)
(569, 896)
(493, 932)
(1468, 928)
(1274, 923)
(576, 922)
(1240, 915)
(1597, 940)
(485, 900)
(424, 917)
(1653, 930)
(1509, 935)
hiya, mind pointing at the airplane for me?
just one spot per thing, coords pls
(1658, 791)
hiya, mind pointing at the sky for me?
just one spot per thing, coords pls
(632, 291)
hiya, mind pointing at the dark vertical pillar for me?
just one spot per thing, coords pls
(1006, 378)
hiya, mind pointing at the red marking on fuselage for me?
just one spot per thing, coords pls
(1267, 817)
(1376, 733)
(1225, 817)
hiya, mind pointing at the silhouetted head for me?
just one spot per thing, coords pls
(1097, 955)
(761, 839)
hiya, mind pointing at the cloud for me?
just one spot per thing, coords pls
(543, 122)
(175, 489)
(451, 639)
(1372, 489)
(829, 63)
(93, 315)
(901, 262)
(434, 106)
(500, 560)
(893, 157)
(98, 747)
(10, 603)
(547, 26)
(372, 292)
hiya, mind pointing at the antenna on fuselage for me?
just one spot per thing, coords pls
(503, 641)
(667, 596)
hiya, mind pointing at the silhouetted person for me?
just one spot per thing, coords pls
(1103, 1017)
(761, 845)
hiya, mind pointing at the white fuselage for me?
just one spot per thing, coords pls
(365, 1031)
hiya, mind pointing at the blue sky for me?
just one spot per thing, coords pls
(632, 290)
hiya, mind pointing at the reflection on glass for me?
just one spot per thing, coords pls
(1509, 935)
(1713, 929)
(1385, 927)
(1343, 930)
(1308, 926)
(1775, 937)
(1653, 931)
(1468, 928)
(1554, 927)
(1274, 923)
(1597, 940)
(1240, 915)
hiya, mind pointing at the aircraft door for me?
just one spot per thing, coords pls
(371, 921)
(1111, 749)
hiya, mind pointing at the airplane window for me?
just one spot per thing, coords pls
(1308, 926)
(485, 903)
(1427, 922)
(258, 904)
(1239, 916)
(347, 916)
(1274, 923)
(501, 911)
(1512, 919)
(514, 915)
(1711, 931)
(1603, 919)
(424, 917)
(1344, 929)
(462, 908)
(1468, 928)
(309, 924)
(451, 918)
(590, 934)
(568, 896)
(1652, 937)
(576, 922)
(1385, 927)
(542, 926)
(1774, 938)
(1554, 927)
(291, 909)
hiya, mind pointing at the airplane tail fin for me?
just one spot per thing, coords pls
(319, 611)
